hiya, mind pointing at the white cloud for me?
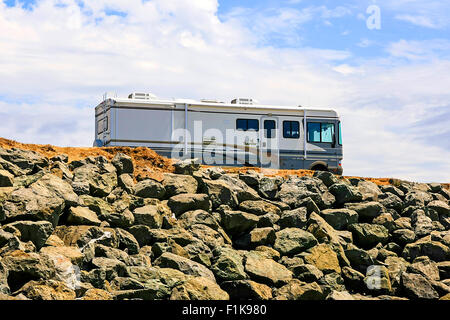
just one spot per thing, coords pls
(56, 62)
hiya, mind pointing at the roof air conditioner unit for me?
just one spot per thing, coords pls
(141, 96)
(243, 101)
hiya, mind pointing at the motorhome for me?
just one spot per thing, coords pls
(240, 133)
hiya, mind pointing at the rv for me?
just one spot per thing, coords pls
(240, 133)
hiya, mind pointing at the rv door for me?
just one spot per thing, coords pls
(268, 142)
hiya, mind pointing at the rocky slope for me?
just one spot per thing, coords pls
(93, 229)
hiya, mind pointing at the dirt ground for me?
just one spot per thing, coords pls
(149, 164)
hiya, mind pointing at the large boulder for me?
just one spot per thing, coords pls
(6, 179)
(291, 241)
(149, 189)
(48, 290)
(266, 271)
(435, 250)
(259, 207)
(27, 160)
(247, 290)
(123, 163)
(170, 260)
(339, 219)
(298, 290)
(187, 202)
(256, 237)
(345, 193)
(36, 232)
(177, 184)
(82, 216)
(149, 215)
(366, 210)
(416, 286)
(229, 266)
(425, 267)
(220, 193)
(199, 288)
(324, 258)
(296, 218)
(238, 222)
(368, 235)
(100, 180)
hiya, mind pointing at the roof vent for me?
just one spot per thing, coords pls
(211, 101)
(141, 96)
(243, 101)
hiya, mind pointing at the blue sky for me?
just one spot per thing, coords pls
(390, 85)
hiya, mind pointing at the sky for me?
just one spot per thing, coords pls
(383, 65)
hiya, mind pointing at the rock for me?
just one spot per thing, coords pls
(266, 271)
(26, 160)
(369, 190)
(416, 286)
(84, 236)
(209, 236)
(23, 267)
(268, 186)
(187, 202)
(291, 241)
(73, 253)
(366, 210)
(36, 232)
(417, 198)
(176, 184)
(422, 224)
(100, 179)
(191, 218)
(256, 237)
(97, 294)
(268, 220)
(339, 218)
(238, 222)
(199, 288)
(368, 235)
(148, 216)
(340, 295)
(436, 251)
(247, 290)
(12, 168)
(170, 260)
(229, 266)
(359, 259)
(296, 218)
(6, 179)
(297, 290)
(186, 167)
(353, 279)
(444, 269)
(327, 177)
(220, 193)
(242, 191)
(149, 189)
(47, 290)
(268, 252)
(391, 201)
(324, 258)
(306, 272)
(125, 181)
(425, 267)
(345, 193)
(82, 216)
(123, 163)
(332, 281)
(404, 236)
(440, 207)
(4, 288)
(259, 207)
(44, 199)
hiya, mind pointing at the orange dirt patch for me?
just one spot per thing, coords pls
(147, 163)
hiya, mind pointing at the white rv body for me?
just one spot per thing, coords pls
(187, 128)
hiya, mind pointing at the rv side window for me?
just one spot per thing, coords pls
(320, 132)
(105, 125)
(270, 129)
(340, 134)
(100, 126)
(247, 124)
(291, 129)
